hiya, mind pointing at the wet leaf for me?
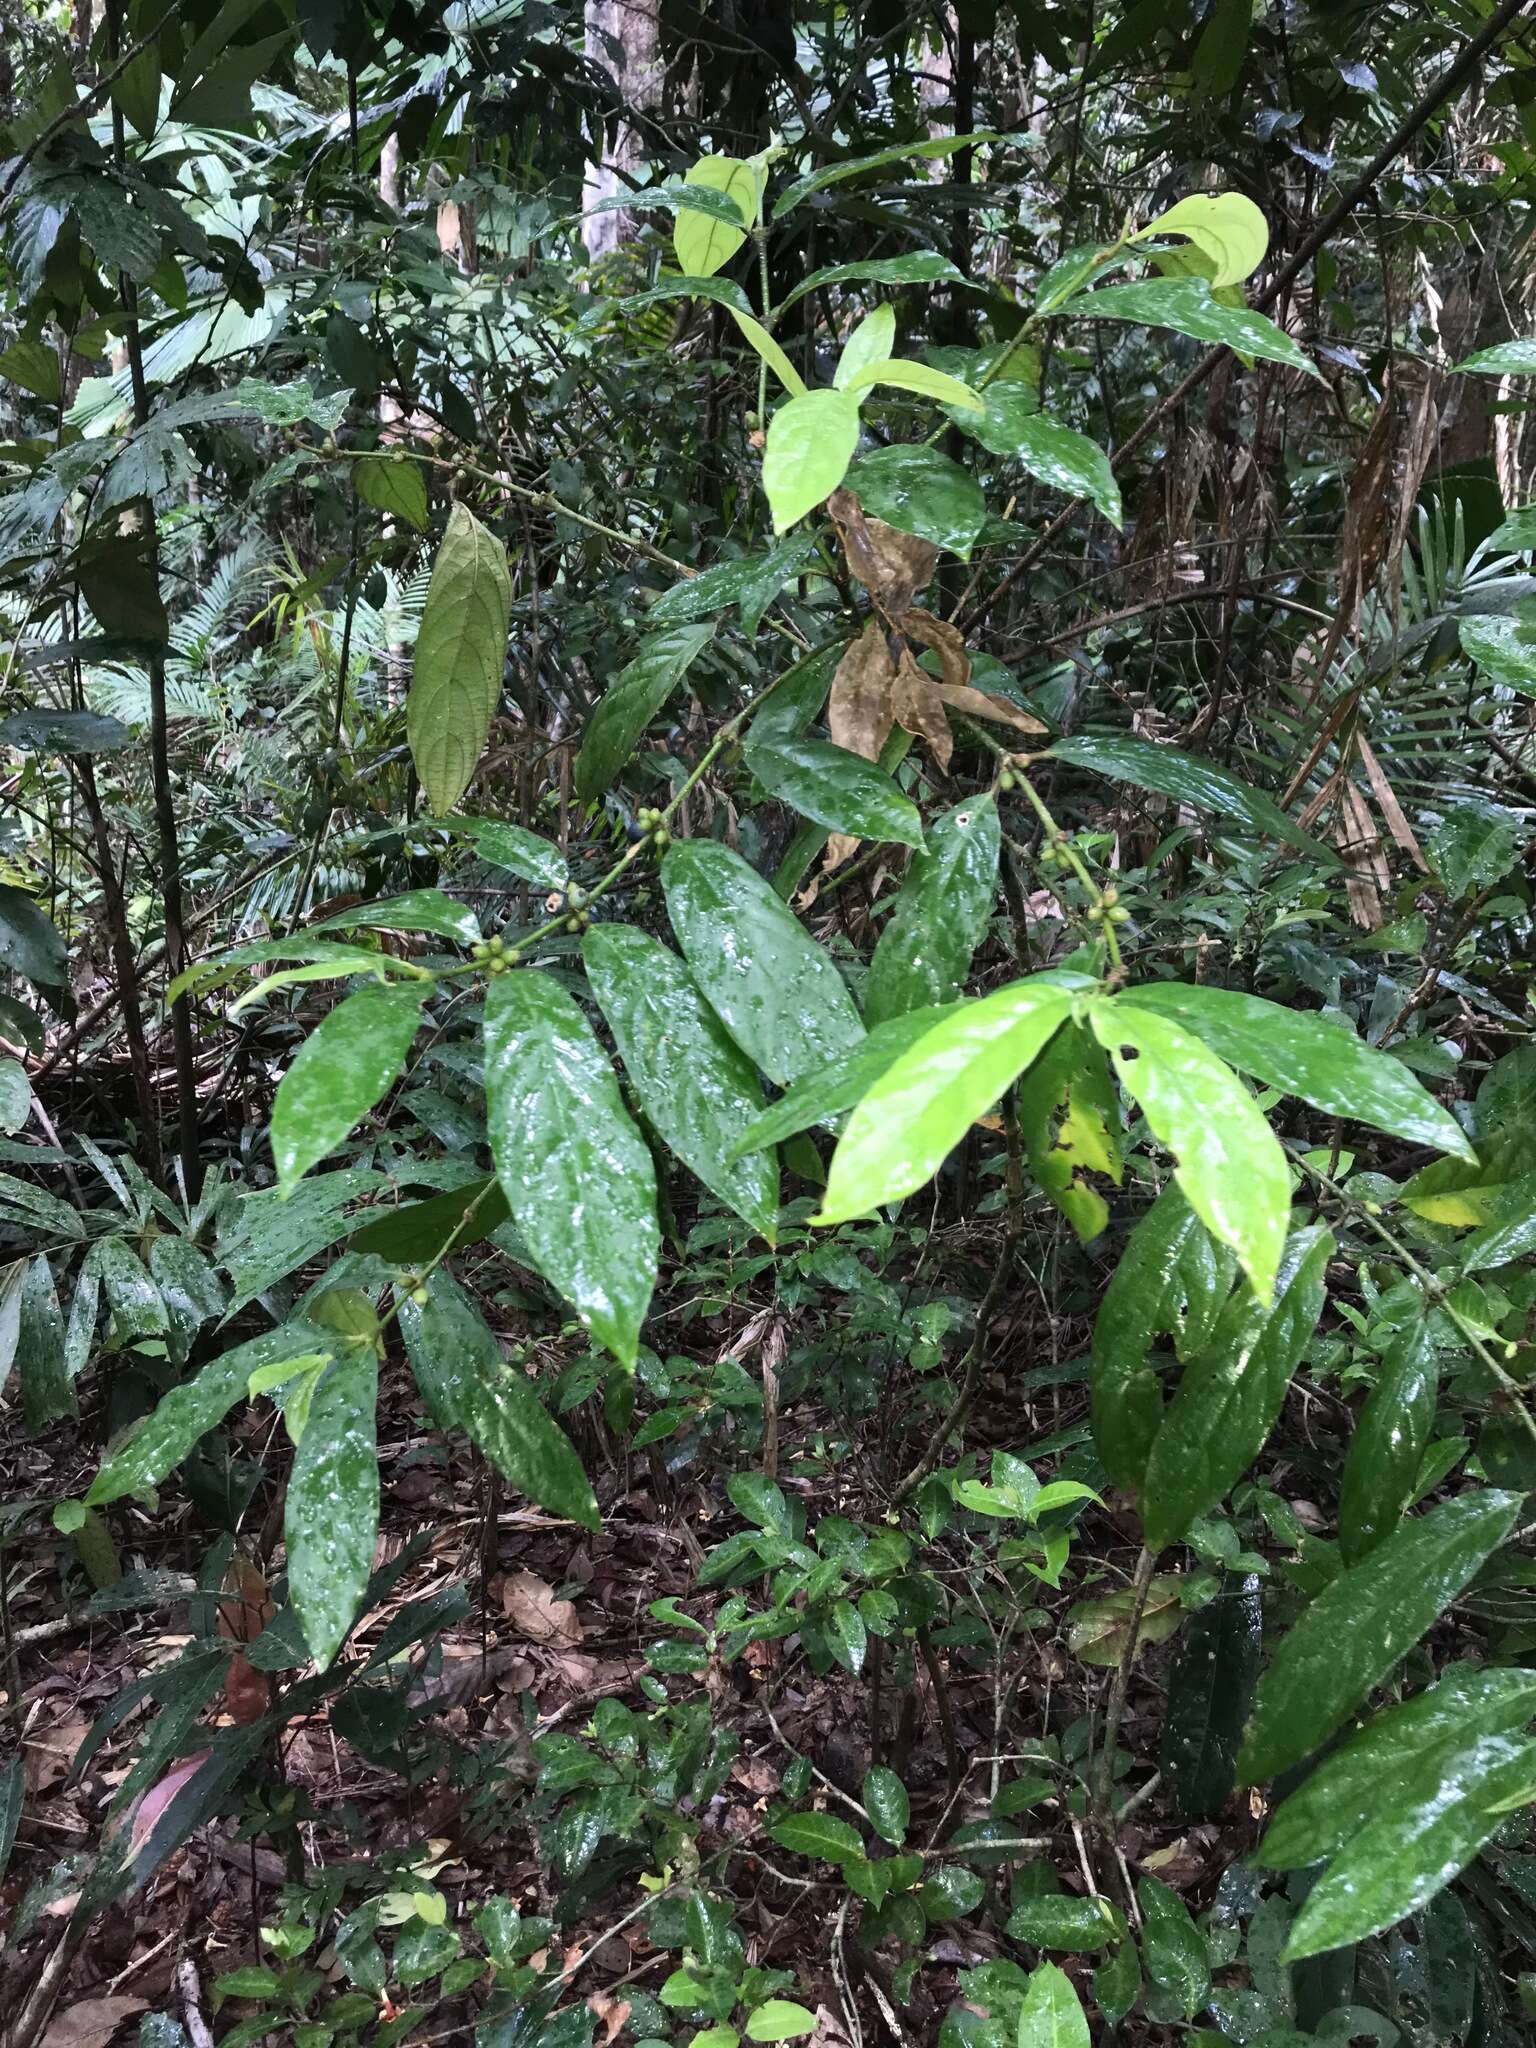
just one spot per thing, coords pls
(1069, 1118)
(941, 916)
(819, 1835)
(1051, 2016)
(331, 1520)
(1186, 305)
(810, 443)
(1173, 1948)
(917, 490)
(343, 1069)
(1061, 1921)
(1210, 1690)
(837, 1086)
(1172, 773)
(836, 788)
(460, 650)
(886, 1803)
(1382, 1469)
(629, 704)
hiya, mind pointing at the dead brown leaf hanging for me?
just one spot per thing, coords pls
(859, 713)
(892, 566)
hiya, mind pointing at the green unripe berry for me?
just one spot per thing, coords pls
(328, 445)
(1109, 897)
(661, 839)
(573, 923)
(420, 1296)
(575, 898)
(480, 950)
(1119, 914)
(1007, 780)
(512, 957)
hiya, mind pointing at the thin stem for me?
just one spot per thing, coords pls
(1114, 1713)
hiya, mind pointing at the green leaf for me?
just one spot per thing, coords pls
(1510, 1231)
(629, 704)
(774, 989)
(742, 582)
(886, 1803)
(834, 174)
(1464, 1192)
(922, 1106)
(922, 378)
(1172, 773)
(765, 345)
(461, 648)
(1226, 1158)
(1475, 844)
(501, 844)
(395, 487)
(1173, 1947)
(468, 1385)
(918, 490)
(33, 365)
(1061, 458)
(1218, 62)
(1394, 1752)
(331, 1522)
(1303, 1054)
(1227, 226)
(29, 944)
(1505, 648)
(836, 788)
(1117, 1983)
(701, 243)
(1061, 1921)
(1507, 359)
(13, 1793)
(343, 1069)
(1051, 2016)
(810, 443)
(1210, 1690)
(779, 2019)
(1414, 1846)
(577, 1174)
(1231, 1394)
(941, 916)
(923, 266)
(819, 1835)
(1186, 305)
(870, 344)
(63, 732)
(421, 1233)
(1069, 1118)
(1382, 1469)
(1362, 1623)
(694, 1084)
(42, 1366)
(831, 1089)
(721, 291)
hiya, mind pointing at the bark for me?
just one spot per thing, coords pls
(624, 40)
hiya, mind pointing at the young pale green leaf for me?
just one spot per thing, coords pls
(696, 1087)
(834, 174)
(886, 1803)
(1051, 2015)
(1231, 1393)
(922, 1106)
(831, 1089)
(1069, 1118)
(468, 1385)
(1303, 1054)
(702, 243)
(577, 1175)
(1416, 1843)
(771, 354)
(836, 788)
(418, 910)
(1171, 773)
(501, 844)
(810, 444)
(941, 916)
(1382, 1469)
(331, 1521)
(778, 2019)
(1227, 1160)
(922, 378)
(1226, 225)
(340, 1072)
(631, 701)
(1508, 1234)
(820, 1835)
(1391, 1754)
(1361, 1624)
(923, 266)
(1210, 1690)
(461, 648)
(774, 989)
(917, 490)
(1174, 1948)
(871, 342)
(1186, 305)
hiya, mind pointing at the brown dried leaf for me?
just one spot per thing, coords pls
(50, 1752)
(531, 1607)
(983, 704)
(859, 714)
(610, 2012)
(919, 707)
(892, 566)
(91, 2022)
(945, 640)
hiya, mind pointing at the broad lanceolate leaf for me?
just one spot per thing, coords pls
(810, 443)
(834, 174)
(697, 1087)
(1507, 359)
(922, 1106)
(1172, 1281)
(468, 1385)
(421, 1233)
(753, 583)
(1172, 773)
(922, 378)
(1227, 1159)
(1303, 1054)
(917, 490)
(418, 910)
(577, 1174)
(1065, 460)
(1504, 648)
(460, 651)
(1051, 2015)
(1414, 1845)
(1358, 1627)
(501, 844)
(42, 1362)
(1381, 1471)
(1210, 1689)
(835, 788)
(331, 1522)
(837, 1086)
(1174, 1948)
(923, 266)
(1186, 305)
(820, 1835)
(775, 990)
(941, 915)
(630, 702)
(1396, 1751)
(1230, 1394)
(1069, 1117)
(160, 1442)
(340, 1072)
(703, 244)
(886, 1803)
(1510, 1231)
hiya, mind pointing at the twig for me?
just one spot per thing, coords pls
(192, 2004)
(1115, 1712)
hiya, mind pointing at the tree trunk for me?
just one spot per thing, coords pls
(623, 39)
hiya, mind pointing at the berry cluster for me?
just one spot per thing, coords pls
(496, 954)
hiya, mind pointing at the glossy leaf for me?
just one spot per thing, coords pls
(771, 353)
(1210, 1690)
(836, 789)
(29, 944)
(831, 1089)
(834, 174)
(419, 910)
(1387, 1448)
(922, 378)
(1117, 1983)
(420, 1233)
(1069, 1118)
(810, 443)
(870, 343)
(629, 704)
(1172, 773)
(1186, 305)
(1051, 2015)
(1305, 1055)
(47, 1393)
(577, 1174)
(1505, 359)
(923, 266)
(740, 582)
(1361, 1624)
(886, 1803)
(1508, 1234)
(1231, 1393)
(468, 1384)
(820, 1835)
(702, 243)
(775, 990)
(941, 915)
(1413, 1847)
(696, 1087)
(501, 844)
(341, 1071)
(1173, 1947)
(922, 1106)
(1064, 460)
(1474, 845)
(1227, 1160)
(1504, 648)
(461, 647)
(331, 1521)
(1062, 1921)
(917, 490)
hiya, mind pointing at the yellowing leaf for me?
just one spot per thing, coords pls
(1228, 227)
(702, 243)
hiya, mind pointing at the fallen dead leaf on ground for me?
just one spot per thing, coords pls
(531, 1607)
(91, 2022)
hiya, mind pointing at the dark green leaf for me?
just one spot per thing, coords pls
(1186, 305)
(941, 916)
(62, 732)
(917, 490)
(341, 1071)
(1210, 1689)
(1117, 1983)
(1172, 773)
(331, 1520)
(741, 582)
(1381, 1471)
(1173, 1948)
(886, 1803)
(1509, 1233)
(817, 1834)
(899, 152)
(46, 1391)
(1475, 844)
(1057, 456)
(629, 704)
(1060, 1921)
(835, 788)
(13, 1792)
(461, 647)
(29, 944)
(577, 1174)
(501, 844)
(420, 1233)
(923, 266)
(418, 910)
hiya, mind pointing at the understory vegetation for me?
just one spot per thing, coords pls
(767, 1105)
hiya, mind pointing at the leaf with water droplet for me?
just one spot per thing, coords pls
(331, 1521)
